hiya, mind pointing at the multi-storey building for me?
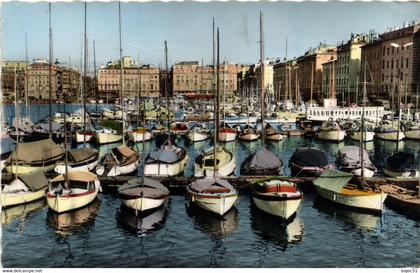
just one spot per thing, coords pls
(348, 67)
(268, 76)
(192, 78)
(39, 80)
(137, 80)
(401, 63)
(304, 74)
(372, 58)
(329, 79)
(70, 83)
(10, 71)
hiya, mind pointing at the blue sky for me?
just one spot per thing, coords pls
(187, 28)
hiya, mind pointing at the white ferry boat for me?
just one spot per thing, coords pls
(331, 110)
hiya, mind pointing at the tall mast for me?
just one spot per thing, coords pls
(121, 71)
(262, 79)
(362, 129)
(16, 118)
(216, 109)
(84, 79)
(139, 90)
(95, 79)
(49, 69)
(312, 82)
(214, 60)
(166, 90)
(26, 76)
(399, 108)
(285, 84)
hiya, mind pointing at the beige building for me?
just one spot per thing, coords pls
(372, 56)
(192, 78)
(9, 71)
(268, 76)
(329, 79)
(39, 80)
(349, 57)
(137, 80)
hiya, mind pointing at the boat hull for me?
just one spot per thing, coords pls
(165, 169)
(143, 204)
(392, 173)
(14, 199)
(412, 134)
(222, 171)
(196, 136)
(105, 138)
(274, 137)
(226, 136)
(281, 208)
(373, 202)
(334, 135)
(61, 168)
(249, 137)
(367, 136)
(366, 172)
(23, 169)
(80, 137)
(390, 136)
(218, 205)
(140, 137)
(67, 203)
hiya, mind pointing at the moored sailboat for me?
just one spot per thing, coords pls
(309, 162)
(120, 160)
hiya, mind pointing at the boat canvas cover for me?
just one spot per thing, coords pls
(310, 157)
(35, 180)
(401, 161)
(204, 184)
(264, 159)
(41, 150)
(333, 180)
(79, 155)
(151, 188)
(45, 126)
(350, 156)
(164, 156)
(125, 151)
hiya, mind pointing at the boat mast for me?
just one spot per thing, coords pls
(26, 76)
(95, 79)
(166, 90)
(362, 129)
(216, 108)
(17, 120)
(84, 80)
(312, 82)
(139, 90)
(262, 79)
(285, 84)
(49, 69)
(216, 128)
(121, 72)
(399, 108)
(66, 177)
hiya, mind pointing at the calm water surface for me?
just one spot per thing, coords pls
(105, 234)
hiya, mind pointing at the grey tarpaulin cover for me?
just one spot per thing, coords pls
(37, 151)
(310, 157)
(164, 156)
(79, 155)
(149, 188)
(7, 144)
(203, 184)
(35, 180)
(264, 159)
(349, 156)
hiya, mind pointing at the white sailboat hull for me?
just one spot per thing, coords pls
(61, 168)
(140, 137)
(390, 136)
(275, 137)
(196, 136)
(372, 202)
(13, 199)
(104, 138)
(367, 136)
(367, 172)
(119, 170)
(226, 136)
(412, 134)
(249, 137)
(164, 169)
(80, 137)
(66, 203)
(143, 204)
(219, 205)
(333, 135)
(222, 171)
(283, 209)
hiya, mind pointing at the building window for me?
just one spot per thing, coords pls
(387, 51)
(406, 62)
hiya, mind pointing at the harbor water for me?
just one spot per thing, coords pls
(104, 234)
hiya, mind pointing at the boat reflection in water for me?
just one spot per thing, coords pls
(75, 221)
(142, 223)
(217, 227)
(388, 147)
(21, 212)
(357, 219)
(273, 229)
(369, 146)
